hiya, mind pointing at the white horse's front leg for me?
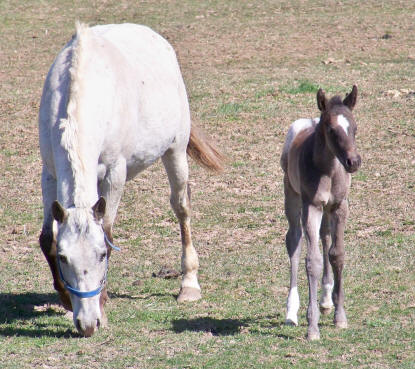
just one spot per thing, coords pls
(176, 166)
(111, 188)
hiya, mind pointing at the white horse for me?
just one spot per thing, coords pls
(113, 102)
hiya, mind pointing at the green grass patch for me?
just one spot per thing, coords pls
(300, 87)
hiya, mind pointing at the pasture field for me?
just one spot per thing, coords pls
(251, 68)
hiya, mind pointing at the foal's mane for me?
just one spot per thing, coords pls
(335, 100)
(70, 126)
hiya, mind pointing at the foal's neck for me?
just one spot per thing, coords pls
(323, 158)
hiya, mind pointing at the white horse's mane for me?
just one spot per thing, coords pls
(70, 126)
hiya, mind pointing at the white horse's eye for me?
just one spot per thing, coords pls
(63, 259)
(103, 256)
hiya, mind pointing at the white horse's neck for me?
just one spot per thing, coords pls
(78, 171)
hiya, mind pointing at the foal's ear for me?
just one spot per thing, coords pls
(58, 212)
(350, 100)
(99, 208)
(321, 100)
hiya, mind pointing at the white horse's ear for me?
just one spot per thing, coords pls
(350, 100)
(58, 212)
(321, 100)
(99, 208)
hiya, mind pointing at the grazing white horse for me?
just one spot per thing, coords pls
(113, 102)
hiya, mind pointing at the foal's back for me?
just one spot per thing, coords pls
(299, 132)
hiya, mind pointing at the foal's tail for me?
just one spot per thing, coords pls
(203, 151)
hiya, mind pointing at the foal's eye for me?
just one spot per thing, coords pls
(330, 130)
(103, 256)
(63, 259)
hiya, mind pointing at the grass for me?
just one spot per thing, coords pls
(302, 87)
(251, 68)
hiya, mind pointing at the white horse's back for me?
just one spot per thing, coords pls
(129, 98)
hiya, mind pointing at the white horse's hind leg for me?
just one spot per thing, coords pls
(177, 170)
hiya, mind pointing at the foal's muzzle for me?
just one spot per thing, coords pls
(352, 163)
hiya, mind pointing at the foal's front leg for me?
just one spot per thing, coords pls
(336, 255)
(311, 217)
(326, 303)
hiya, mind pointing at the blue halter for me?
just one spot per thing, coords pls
(95, 292)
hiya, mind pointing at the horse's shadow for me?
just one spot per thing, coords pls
(17, 309)
(228, 327)
(217, 327)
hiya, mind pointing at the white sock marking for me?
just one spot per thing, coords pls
(293, 304)
(325, 300)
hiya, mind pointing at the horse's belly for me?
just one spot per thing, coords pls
(135, 166)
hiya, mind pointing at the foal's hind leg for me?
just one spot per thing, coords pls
(293, 244)
(326, 303)
(177, 170)
(47, 239)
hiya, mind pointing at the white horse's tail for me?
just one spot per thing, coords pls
(203, 151)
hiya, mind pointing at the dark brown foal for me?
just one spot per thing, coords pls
(317, 159)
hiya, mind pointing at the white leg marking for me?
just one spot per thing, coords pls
(325, 300)
(343, 122)
(190, 280)
(293, 304)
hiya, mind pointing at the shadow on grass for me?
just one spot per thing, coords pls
(115, 295)
(262, 326)
(17, 309)
(218, 327)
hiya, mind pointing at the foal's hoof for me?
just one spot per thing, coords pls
(189, 294)
(313, 336)
(291, 321)
(326, 310)
(341, 325)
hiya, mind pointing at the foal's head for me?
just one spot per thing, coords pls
(82, 261)
(339, 128)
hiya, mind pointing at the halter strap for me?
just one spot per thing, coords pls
(92, 293)
(79, 293)
(107, 240)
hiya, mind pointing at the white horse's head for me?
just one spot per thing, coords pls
(82, 261)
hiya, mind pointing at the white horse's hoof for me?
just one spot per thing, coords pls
(103, 321)
(189, 294)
